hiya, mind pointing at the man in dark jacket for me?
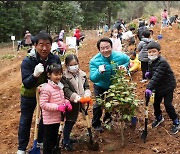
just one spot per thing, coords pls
(162, 80)
(33, 72)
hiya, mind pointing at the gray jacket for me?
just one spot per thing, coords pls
(142, 47)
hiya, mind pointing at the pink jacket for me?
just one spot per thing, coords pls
(50, 97)
(117, 46)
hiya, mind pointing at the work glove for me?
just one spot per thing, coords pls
(38, 70)
(62, 107)
(148, 93)
(84, 100)
(102, 69)
(147, 75)
(68, 105)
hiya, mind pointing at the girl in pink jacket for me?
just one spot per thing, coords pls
(52, 102)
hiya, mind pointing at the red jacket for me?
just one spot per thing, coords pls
(77, 34)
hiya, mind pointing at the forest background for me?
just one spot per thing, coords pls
(18, 16)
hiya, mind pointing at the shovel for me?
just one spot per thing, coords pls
(91, 145)
(35, 149)
(57, 149)
(160, 35)
(144, 133)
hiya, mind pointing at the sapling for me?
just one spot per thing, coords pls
(120, 100)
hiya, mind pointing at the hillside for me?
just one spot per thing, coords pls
(158, 141)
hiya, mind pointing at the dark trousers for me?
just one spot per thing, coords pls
(97, 111)
(144, 68)
(67, 131)
(168, 97)
(27, 109)
(50, 137)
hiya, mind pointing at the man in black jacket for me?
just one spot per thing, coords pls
(162, 80)
(33, 72)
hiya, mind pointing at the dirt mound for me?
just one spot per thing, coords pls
(158, 141)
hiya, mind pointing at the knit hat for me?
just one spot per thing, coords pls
(154, 45)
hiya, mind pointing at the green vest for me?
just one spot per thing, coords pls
(32, 92)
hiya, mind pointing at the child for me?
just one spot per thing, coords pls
(117, 46)
(143, 53)
(135, 64)
(76, 88)
(52, 102)
(162, 80)
(128, 38)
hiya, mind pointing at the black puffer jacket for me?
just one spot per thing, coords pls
(162, 76)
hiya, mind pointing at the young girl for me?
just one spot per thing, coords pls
(76, 89)
(52, 102)
(117, 46)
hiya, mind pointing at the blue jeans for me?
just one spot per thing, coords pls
(165, 21)
(27, 109)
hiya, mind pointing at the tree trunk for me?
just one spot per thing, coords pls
(109, 16)
(122, 133)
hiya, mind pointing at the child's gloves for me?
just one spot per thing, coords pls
(84, 100)
(102, 68)
(68, 105)
(147, 75)
(62, 107)
(38, 70)
(148, 93)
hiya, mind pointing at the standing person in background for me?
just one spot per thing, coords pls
(61, 35)
(143, 53)
(101, 71)
(106, 28)
(164, 18)
(77, 34)
(33, 74)
(27, 38)
(117, 46)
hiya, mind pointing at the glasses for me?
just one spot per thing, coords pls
(105, 48)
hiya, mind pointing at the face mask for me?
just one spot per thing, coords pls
(152, 58)
(73, 69)
(115, 34)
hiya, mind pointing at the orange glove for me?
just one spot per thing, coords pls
(84, 100)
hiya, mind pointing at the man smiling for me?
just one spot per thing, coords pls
(33, 74)
(101, 71)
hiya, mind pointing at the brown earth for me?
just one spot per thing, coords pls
(158, 141)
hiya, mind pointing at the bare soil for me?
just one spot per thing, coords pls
(159, 139)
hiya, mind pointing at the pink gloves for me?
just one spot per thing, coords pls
(65, 106)
(62, 107)
(68, 105)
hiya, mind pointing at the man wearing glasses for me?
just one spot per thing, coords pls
(101, 70)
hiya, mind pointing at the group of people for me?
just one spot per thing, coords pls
(65, 91)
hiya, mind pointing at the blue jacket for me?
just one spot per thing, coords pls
(103, 80)
(29, 82)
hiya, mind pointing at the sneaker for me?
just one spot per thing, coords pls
(68, 147)
(21, 152)
(157, 122)
(175, 129)
(98, 128)
(144, 80)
